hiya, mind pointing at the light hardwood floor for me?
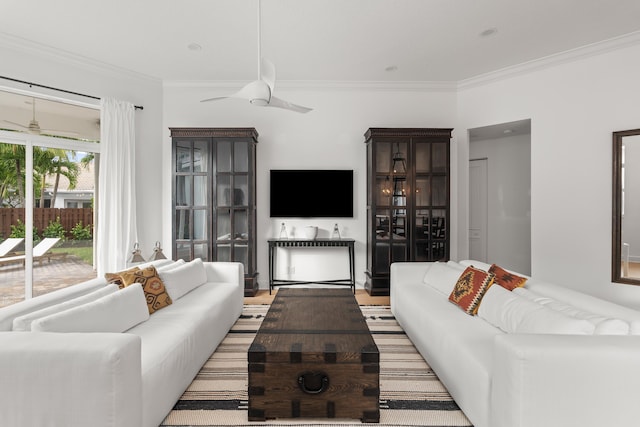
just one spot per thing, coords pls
(363, 298)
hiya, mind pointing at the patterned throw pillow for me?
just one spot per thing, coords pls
(506, 279)
(117, 277)
(470, 288)
(154, 289)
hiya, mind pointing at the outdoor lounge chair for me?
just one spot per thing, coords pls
(40, 252)
(7, 247)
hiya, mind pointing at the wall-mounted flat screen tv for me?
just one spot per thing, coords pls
(316, 193)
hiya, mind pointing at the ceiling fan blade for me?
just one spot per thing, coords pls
(214, 99)
(257, 92)
(59, 132)
(268, 73)
(280, 103)
(16, 124)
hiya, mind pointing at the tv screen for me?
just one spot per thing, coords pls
(311, 193)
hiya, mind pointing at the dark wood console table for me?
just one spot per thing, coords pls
(316, 243)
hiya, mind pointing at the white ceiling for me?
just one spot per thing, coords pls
(317, 40)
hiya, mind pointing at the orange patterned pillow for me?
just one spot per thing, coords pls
(506, 279)
(154, 289)
(470, 288)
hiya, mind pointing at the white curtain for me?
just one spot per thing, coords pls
(116, 202)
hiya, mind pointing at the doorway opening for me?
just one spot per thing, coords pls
(500, 195)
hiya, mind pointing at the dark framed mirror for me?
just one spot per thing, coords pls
(625, 258)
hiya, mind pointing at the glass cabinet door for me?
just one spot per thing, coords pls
(390, 238)
(232, 189)
(190, 194)
(431, 200)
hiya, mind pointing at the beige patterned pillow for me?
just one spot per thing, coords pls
(117, 277)
(154, 289)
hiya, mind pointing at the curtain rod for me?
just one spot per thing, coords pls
(31, 84)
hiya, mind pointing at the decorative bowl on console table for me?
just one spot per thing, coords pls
(309, 232)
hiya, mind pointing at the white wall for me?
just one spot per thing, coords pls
(574, 107)
(331, 136)
(30, 63)
(509, 199)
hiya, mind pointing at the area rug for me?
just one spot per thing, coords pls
(410, 392)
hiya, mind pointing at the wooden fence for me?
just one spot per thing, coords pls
(68, 217)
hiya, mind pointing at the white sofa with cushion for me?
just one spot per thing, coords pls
(538, 355)
(96, 355)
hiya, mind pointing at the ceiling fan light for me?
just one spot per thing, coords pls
(34, 127)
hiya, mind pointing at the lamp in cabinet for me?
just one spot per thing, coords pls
(399, 169)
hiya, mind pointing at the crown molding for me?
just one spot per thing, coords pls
(64, 57)
(572, 55)
(412, 86)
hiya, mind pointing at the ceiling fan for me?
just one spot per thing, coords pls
(34, 126)
(260, 92)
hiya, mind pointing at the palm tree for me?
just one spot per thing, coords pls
(8, 180)
(53, 162)
(42, 166)
(87, 159)
(12, 157)
(67, 167)
(46, 162)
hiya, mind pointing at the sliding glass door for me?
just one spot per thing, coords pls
(47, 188)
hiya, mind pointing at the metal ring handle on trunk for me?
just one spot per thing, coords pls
(313, 382)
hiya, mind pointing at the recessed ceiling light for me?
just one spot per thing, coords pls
(194, 47)
(488, 32)
(391, 68)
(507, 131)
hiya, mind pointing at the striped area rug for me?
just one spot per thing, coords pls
(410, 393)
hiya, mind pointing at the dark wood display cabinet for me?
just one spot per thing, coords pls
(407, 199)
(214, 197)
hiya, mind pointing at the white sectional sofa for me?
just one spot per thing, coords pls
(541, 355)
(108, 362)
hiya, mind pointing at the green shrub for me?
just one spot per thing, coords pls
(54, 229)
(81, 233)
(18, 230)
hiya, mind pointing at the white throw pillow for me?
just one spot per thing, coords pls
(158, 263)
(115, 312)
(167, 267)
(477, 264)
(634, 327)
(456, 265)
(603, 325)
(183, 279)
(515, 314)
(23, 323)
(540, 299)
(442, 277)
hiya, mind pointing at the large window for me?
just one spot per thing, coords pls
(48, 153)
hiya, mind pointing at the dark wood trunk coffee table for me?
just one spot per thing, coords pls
(314, 357)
